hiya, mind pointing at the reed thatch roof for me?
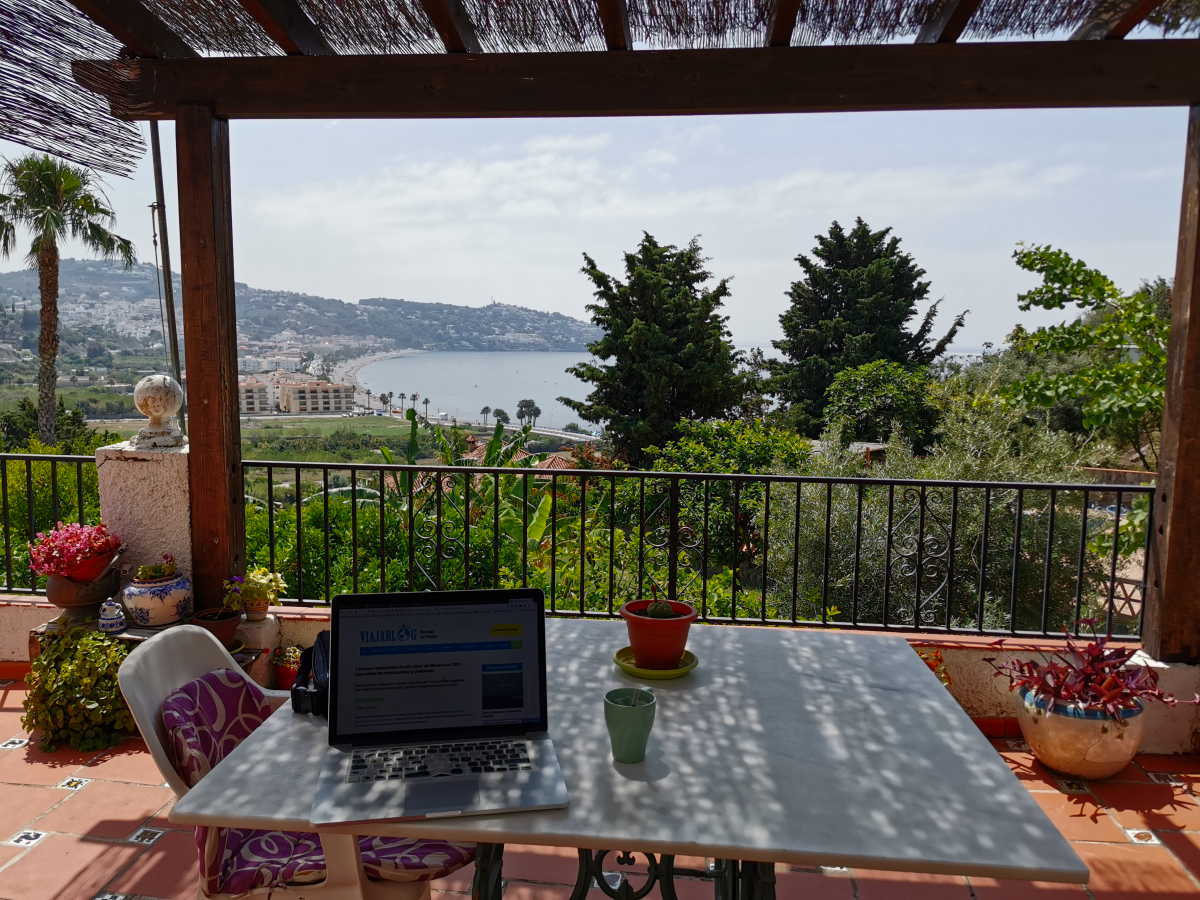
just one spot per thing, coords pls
(41, 106)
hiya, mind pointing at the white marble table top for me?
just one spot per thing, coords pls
(799, 746)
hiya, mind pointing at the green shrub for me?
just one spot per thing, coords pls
(73, 695)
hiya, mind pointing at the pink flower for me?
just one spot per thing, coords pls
(62, 550)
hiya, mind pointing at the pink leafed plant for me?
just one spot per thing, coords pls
(61, 551)
(1087, 676)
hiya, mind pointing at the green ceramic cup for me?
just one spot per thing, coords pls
(629, 715)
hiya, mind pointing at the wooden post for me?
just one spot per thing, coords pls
(1171, 629)
(210, 346)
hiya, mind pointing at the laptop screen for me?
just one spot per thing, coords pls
(433, 666)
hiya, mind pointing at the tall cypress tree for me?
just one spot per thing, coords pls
(853, 306)
(665, 353)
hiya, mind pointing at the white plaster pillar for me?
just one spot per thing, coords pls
(144, 498)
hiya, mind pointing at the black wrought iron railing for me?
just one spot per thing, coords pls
(1001, 558)
(36, 491)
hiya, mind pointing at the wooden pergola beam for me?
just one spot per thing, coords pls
(614, 19)
(142, 32)
(1171, 630)
(289, 26)
(453, 25)
(1041, 74)
(1111, 20)
(210, 341)
(948, 21)
(782, 22)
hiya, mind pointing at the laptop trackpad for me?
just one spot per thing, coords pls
(440, 795)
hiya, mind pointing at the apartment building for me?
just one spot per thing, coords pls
(316, 397)
(254, 396)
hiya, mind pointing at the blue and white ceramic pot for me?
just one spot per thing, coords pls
(112, 617)
(160, 601)
(1086, 743)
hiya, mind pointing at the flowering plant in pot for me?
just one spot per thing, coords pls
(158, 594)
(257, 591)
(285, 662)
(77, 561)
(76, 551)
(658, 631)
(1080, 708)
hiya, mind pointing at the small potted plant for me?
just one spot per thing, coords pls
(658, 631)
(77, 562)
(158, 594)
(223, 620)
(285, 663)
(1080, 709)
(259, 589)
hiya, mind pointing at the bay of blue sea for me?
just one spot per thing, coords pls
(460, 383)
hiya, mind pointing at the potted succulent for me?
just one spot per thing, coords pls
(1080, 708)
(223, 620)
(77, 561)
(658, 631)
(158, 594)
(285, 663)
(258, 589)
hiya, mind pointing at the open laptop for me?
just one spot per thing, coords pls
(437, 707)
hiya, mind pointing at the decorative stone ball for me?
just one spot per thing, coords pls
(158, 397)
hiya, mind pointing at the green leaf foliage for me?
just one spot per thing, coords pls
(1121, 340)
(853, 306)
(868, 402)
(73, 694)
(666, 353)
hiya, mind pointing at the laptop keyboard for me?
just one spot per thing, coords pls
(438, 760)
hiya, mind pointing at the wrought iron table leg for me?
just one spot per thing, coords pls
(756, 881)
(725, 884)
(659, 871)
(489, 859)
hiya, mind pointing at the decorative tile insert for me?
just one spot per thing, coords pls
(26, 838)
(1016, 744)
(15, 743)
(146, 836)
(1165, 778)
(109, 895)
(6, 682)
(1072, 786)
(1142, 836)
(73, 784)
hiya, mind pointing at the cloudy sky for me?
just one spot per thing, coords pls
(468, 211)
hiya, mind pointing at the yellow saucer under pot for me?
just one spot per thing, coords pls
(624, 660)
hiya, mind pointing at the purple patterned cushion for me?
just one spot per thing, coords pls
(204, 720)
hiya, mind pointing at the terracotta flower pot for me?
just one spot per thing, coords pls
(1086, 743)
(256, 608)
(657, 643)
(221, 622)
(89, 569)
(285, 676)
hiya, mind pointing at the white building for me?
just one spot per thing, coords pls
(254, 396)
(316, 397)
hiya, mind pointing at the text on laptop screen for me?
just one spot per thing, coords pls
(418, 668)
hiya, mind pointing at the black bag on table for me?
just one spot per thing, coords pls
(310, 693)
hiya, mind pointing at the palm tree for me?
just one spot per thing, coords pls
(54, 201)
(368, 398)
(426, 402)
(403, 397)
(501, 416)
(534, 412)
(413, 397)
(485, 412)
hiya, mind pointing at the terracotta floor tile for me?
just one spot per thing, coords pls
(1180, 763)
(522, 891)
(32, 765)
(8, 854)
(128, 762)
(1079, 818)
(1154, 806)
(810, 884)
(1032, 773)
(1186, 848)
(1135, 872)
(106, 809)
(993, 889)
(165, 871)
(873, 885)
(159, 819)
(63, 867)
(553, 865)
(20, 804)
(459, 881)
(1132, 772)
